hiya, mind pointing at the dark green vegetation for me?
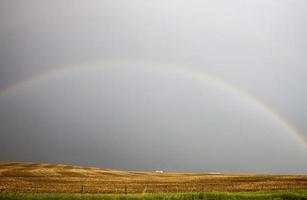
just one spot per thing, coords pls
(264, 195)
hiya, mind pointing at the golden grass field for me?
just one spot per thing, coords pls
(52, 178)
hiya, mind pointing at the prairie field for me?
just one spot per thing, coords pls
(17, 177)
(264, 195)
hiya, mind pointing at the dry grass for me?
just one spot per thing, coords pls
(48, 178)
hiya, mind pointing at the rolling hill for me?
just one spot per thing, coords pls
(59, 178)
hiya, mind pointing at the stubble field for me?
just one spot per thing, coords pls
(16, 177)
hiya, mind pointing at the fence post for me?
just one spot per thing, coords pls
(125, 189)
(81, 191)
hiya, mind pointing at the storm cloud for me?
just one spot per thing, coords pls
(145, 85)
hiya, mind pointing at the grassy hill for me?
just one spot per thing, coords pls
(51, 178)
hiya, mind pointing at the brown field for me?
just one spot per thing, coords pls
(50, 178)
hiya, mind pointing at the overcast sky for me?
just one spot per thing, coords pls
(128, 84)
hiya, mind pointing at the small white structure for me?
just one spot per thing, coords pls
(214, 173)
(159, 171)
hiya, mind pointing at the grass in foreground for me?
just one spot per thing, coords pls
(264, 195)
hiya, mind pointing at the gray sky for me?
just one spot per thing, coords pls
(130, 84)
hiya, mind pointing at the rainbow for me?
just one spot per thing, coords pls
(199, 75)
